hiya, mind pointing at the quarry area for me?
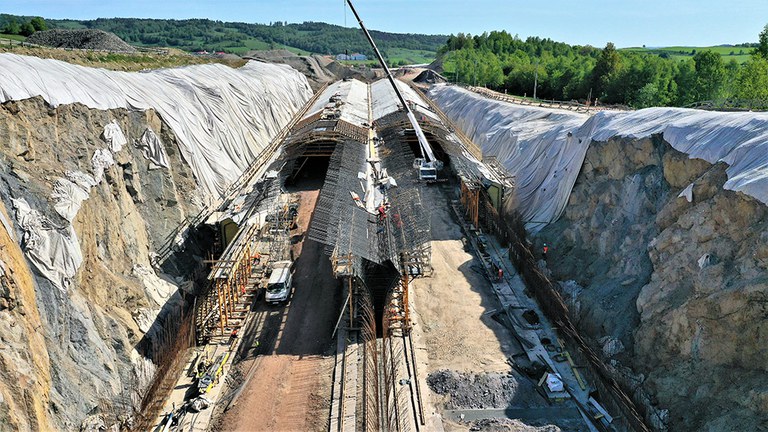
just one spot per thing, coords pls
(259, 246)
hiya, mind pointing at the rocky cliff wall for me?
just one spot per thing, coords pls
(92, 325)
(671, 291)
(85, 212)
(223, 117)
(665, 268)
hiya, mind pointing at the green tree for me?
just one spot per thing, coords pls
(27, 29)
(762, 45)
(752, 80)
(647, 96)
(39, 24)
(710, 75)
(606, 68)
(12, 27)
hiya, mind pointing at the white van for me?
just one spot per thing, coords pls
(279, 285)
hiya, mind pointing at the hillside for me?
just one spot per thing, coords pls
(740, 53)
(237, 38)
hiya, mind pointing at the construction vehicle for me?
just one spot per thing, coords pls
(279, 285)
(427, 164)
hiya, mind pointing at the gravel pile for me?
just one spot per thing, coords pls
(429, 77)
(508, 425)
(484, 390)
(90, 39)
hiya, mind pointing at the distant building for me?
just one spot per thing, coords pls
(355, 57)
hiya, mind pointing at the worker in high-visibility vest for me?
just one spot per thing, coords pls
(544, 251)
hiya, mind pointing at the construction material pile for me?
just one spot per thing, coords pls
(89, 39)
(428, 76)
(222, 117)
(545, 148)
(482, 391)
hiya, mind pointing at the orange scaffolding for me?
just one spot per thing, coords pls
(231, 288)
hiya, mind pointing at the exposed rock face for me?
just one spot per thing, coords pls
(675, 290)
(82, 303)
(664, 270)
(78, 355)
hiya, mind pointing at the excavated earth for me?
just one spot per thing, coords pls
(664, 270)
(672, 292)
(66, 356)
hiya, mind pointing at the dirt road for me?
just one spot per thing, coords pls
(288, 347)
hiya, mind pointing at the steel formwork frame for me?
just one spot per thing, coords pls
(231, 287)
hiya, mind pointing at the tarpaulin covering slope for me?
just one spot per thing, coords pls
(222, 117)
(545, 148)
(532, 144)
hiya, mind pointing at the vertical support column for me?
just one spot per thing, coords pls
(406, 308)
(351, 303)
(222, 311)
(230, 309)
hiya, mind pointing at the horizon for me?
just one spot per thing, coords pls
(686, 23)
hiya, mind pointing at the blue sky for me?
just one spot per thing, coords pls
(595, 22)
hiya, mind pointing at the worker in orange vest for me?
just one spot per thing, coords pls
(382, 212)
(544, 251)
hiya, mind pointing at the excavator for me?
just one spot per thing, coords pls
(428, 165)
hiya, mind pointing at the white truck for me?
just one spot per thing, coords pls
(279, 285)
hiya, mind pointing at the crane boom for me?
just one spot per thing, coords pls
(426, 149)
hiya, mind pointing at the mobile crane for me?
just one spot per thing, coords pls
(427, 164)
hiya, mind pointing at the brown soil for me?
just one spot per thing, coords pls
(452, 307)
(290, 389)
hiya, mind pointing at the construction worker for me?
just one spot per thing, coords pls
(382, 213)
(398, 222)
(544, 251)
(501, 274)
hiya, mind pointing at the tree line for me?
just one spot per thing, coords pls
(22, 26)
(199, 34)
(504, 62)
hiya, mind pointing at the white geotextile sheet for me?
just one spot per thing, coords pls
(354, 93)
(740, 139)
(101, 160)
(385, 100)
(68, 197)
(152, 148)
(545, 148)
(532, 144)
(114, 136)
(54, 251)
(222, 117)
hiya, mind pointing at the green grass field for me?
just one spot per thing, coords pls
(18, 38)
(739, 54)
(409, 56)
(258, 45)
